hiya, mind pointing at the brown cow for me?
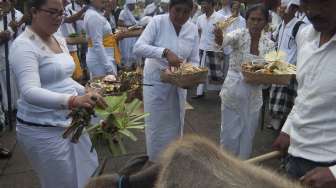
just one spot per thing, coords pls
(198, 163)
(195, 162)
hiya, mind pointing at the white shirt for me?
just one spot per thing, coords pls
(96, 26)
(66, 29)
(207, 25)
(239, 23)
(18, 16)
(112, 21)
(44, 80)
(225, 11)
(312, 121)
(160, 34)
(69, 10)
(197, 14)
(276, 20)
(240, 41)
(285, 40)
(127, 17)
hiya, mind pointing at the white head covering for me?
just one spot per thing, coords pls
(288, 3)
(130, 2)
(150, 9)
(285, 3)
(294, 2)
(165, 1)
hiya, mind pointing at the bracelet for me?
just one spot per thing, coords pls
(71, 102)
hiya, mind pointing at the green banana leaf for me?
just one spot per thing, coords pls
(128, 134)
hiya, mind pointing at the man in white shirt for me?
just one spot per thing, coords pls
(239, 23)
(15, 23)
(282, 97)
(226, 8)
(72, 24)
(71, 9)
(210, 55)
(195, 13)
(310, 130)
(14, 28)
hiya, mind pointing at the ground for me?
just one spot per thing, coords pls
(202, 118)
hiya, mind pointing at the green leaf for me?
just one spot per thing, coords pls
(115, 102)
(136, 127)
(101, 112)
(92, 128)
(129, 134)
(136, 123)
(121, 145)
(114, 150)
(132, 106)
(139, 117)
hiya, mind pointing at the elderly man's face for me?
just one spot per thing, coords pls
(321, 13)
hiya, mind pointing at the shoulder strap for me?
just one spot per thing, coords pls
(296, 28)
(278, 31)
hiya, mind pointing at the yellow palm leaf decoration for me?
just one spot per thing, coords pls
(276, 56)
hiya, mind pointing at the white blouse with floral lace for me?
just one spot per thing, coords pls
(234, 87)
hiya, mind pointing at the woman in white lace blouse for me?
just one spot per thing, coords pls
(241, 102)
(43, 68)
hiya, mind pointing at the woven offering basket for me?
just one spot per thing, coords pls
(131, 93)
(186, 80)
(261, 78)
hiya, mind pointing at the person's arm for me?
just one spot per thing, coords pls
(4, 37)
(144, 46)
(79, 88)
(121, 23)
(95, 32)
(26, 70)
(121, 20)
(231, 39)
(223, 39)
(77, 16)
(194, 56)
(320, 177)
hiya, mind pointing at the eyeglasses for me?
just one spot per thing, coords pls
(54, 14)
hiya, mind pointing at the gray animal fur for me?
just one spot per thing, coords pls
(195, 162)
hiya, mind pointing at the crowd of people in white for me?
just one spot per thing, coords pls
(44, 69)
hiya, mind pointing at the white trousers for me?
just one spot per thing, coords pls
(236, 136)
(57, 161)
(165, 104)
(241, 105)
